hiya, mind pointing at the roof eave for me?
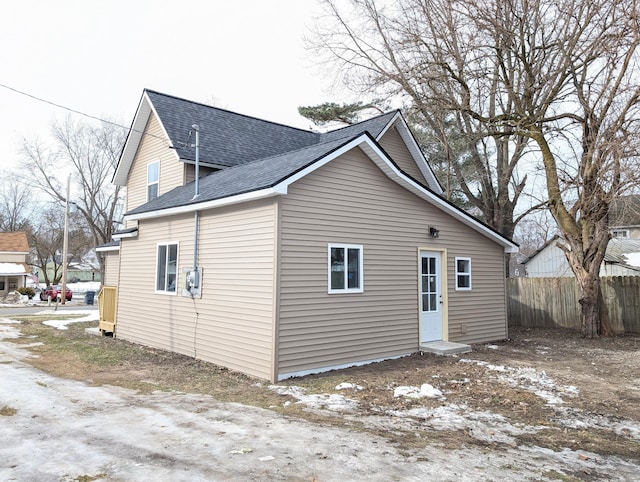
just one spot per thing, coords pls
(414, 149)
(392, 171)
(377, 155)
(215, 203)
(136, 133)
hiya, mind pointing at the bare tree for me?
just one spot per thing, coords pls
(561, 74)
(45, 234)
(383, 49)
(89, 154)
(45, 242)
(16, 204)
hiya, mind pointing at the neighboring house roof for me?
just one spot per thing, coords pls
(9, 269)
(622, 251)
(261, 177)
(539, 250)
(625, 212)
(14, 242)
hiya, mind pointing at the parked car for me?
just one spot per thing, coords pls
(55, 292)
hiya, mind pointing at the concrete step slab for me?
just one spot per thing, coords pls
(445, 348)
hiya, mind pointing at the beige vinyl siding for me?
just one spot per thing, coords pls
(351, 201)
(393, 145)
(233, 326)
(12, 257)
(190, 172)
(153, 147)
(478, 315)
(111, 268)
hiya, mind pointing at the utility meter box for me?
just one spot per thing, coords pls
(192, 282)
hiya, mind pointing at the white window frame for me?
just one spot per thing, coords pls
(156, 182)
(620, 233)
(155, 279)
(463, 273)
(346, 289)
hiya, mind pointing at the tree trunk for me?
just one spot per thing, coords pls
(589, 289)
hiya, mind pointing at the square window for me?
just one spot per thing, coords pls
(463, 274)
(167, 268)
(345, 268)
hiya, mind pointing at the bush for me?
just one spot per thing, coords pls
(23, 290)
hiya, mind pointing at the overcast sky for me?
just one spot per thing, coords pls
(97, 56)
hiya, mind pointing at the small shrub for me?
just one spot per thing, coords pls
(23, 290)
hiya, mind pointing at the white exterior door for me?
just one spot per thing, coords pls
(430, 296)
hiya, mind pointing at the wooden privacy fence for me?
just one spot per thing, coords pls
(107, 308)
(553, 302)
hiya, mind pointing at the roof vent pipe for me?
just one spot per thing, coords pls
(196, 128)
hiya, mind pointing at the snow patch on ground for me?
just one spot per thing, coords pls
(574, 418)
(537, 382)
(8, 332)
(348, 386)
(90, 315)
(424, 391)
(318, 401)
(482, 425)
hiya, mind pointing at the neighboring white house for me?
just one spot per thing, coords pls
(14, 249)
(624, 218)
(622, 259)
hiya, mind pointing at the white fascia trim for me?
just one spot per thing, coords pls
(189, 208)
(14, 252)
(388, 126)
(143, 113)
(414, 149)
(108, 248)
(133, 234)
(385, 164)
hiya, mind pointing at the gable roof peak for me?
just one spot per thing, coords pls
(14, 242)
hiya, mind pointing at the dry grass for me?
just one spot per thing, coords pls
(75, 354)
(6, 411)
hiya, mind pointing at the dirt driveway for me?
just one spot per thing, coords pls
(546, 405)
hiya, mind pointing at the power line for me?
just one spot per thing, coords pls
(60, 106)
(40, 99)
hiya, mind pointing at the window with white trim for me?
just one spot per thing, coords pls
(167, 268)
(153, 179)
(463, 274)
(345, 268)
(619, 233)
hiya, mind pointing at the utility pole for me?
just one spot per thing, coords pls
(65, 246)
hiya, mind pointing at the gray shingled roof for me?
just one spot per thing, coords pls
(244, 178)
(229, 139)
(257, 153)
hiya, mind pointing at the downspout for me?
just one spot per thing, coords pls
(196, 214)
(193, 281)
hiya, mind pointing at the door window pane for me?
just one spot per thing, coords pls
(429, 283)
